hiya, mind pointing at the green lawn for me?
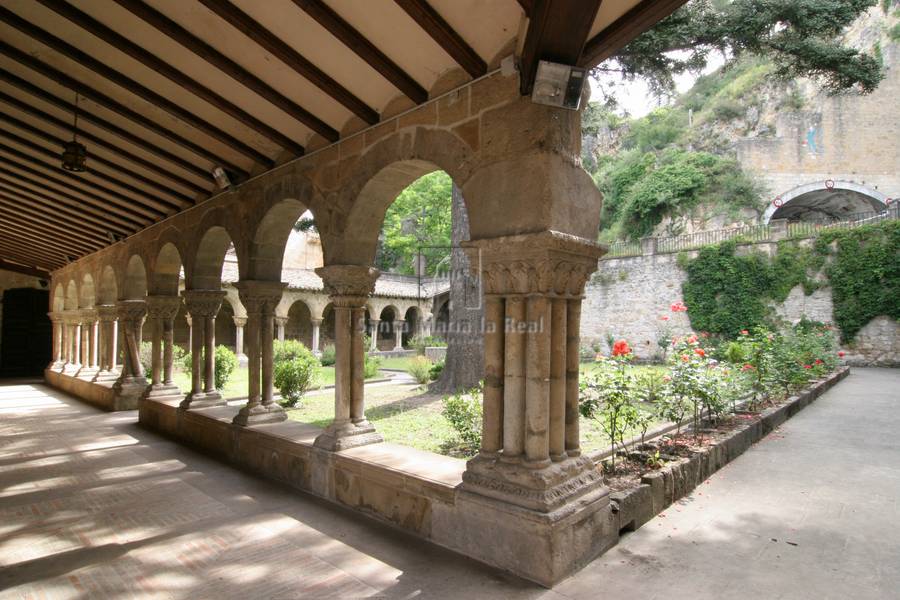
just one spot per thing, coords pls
(238, 384)
(398, 362)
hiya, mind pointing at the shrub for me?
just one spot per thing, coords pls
(226, 362)
(420, 369)
(436, 369)
(329, 356)
(296, 370)
(463, 411)
(609, 396)
(146, 358)
(178, 358)
(371, 366)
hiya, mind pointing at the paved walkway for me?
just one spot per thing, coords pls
(91, 506)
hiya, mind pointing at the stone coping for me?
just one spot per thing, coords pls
(660, 489)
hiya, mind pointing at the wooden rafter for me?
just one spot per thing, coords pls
(126, 46)
(633, 23)
(85, 232)
(446, 37)
(360, 45)
(64, 80)
(72, 236)
(24, 254)
(115, 130)
(557, 31)
(286, 54)
(35, 203)
(24, 234)
(24, 269)
(228, 66)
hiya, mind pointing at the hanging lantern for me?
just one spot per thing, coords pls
(74, 155)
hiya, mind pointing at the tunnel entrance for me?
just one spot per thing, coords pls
(825, 201)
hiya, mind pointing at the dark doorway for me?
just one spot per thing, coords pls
(25, 346)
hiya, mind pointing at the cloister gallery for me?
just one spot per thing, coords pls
(211, 128)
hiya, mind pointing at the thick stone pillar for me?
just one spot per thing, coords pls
(399, 324)
(239, 324)
(132, 382)
(348, 286)
(161, 311)
(530, 283)
(203, 306)
(280, 322)
(316, 328)
(260, 299)
(107, 315)
(375, 323)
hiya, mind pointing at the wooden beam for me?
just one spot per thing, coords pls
(107, 196)
(633, 23)
(71, 236)
(20, 254)
(141, 142)
(26, 236)
(29, 200)
(164, 205)
(360, 45)
(13, 204)
(24, 269)
(42, 179)
(441, 32)
(132, 86)
(228, 66)
(557, 32)
(286, 54)
(14, 180)
(38, 132)
(126, 46)
(64, 80)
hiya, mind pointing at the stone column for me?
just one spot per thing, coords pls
(280, 322)
(260, 299)
(375, 323)
(107, 315)
(239, 323)
(348, 286)
(57, 341)
(190, 327)
(399, 324)
(88, 344)
(64, 341)
(161, 311)
(73, 363)
(130, 385)
(533, 285)
(316, 326)
(203, 306)
(114, 345)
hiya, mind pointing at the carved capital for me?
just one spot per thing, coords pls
(163, 307)
(131, 311)
(260, 297)
(107, 313)
(55, 317)
(239, 321)
(281, 321)
(549, 263)
(72, 317)
(349, 286)
(88, 315)
(203, 303)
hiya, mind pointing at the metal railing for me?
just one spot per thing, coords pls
(749, 233)
(622, 249)
(803, 229)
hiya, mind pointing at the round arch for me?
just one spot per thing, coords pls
(825, 200)
(71, 302)
(299, 323)
(135, 286)
(413, 319)
(108, 291)
(210, 258)
(59, 298)
(166, 270)
(87, 297)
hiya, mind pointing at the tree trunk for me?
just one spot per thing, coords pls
(464, 366)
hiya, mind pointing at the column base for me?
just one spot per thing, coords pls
(259, 414)
(87, 373)
(127, 392)
(543, 487)
(202, 400)
(71, 369)
(342, 436)
(162, 390)
(105, 376)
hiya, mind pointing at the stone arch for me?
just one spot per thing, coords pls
(413, 323)
(71, 302)
(87, 296)
(299, 322)
(107, 292)
(209, 259)
(166, 270)
(59, 298)
(377, 179)
(825, 201)
(226, 334)
(135, 285)
(283, 203)
(387, 324)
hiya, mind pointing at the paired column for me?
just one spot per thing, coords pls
(132, 381)
(530, 452)
(348, 287)
(161, 312)
(89, 366)
(260, 299)
(73, 361)
(375, 325)
(399, 324)
(239, 324)
(203, 306)
(316, 329)
(107, 315)
(280, 322)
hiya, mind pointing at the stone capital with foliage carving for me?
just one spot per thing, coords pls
(348, 286)
(163, 307)
(107, 313)
(260, 297)
(203, 303)
(548, 262)
(131, 311)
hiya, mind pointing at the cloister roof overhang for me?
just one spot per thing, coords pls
(168, 90)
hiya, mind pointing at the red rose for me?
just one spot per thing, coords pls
(747, 367)
(819, 361)
(744, 332)
(807, 366)
(841, 354)
(699, 352)
(620, 348)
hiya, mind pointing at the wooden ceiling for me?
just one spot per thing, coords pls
(170, 89)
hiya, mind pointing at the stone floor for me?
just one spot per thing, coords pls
(92, 506)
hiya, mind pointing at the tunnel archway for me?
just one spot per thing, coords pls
(825, 201)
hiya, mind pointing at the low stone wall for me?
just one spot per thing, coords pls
(660, 489)
(99, 394)
(630, 298)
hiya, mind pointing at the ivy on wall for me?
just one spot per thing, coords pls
(727, 291)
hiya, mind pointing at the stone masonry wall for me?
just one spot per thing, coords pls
(627, 298)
